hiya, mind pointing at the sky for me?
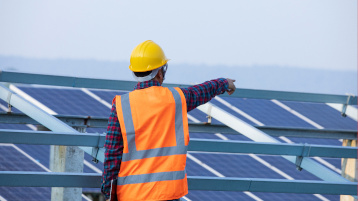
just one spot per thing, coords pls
(233, 34)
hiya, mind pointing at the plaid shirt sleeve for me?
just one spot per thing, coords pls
(199, 94)
(113, 153)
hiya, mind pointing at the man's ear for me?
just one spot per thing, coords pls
(159, 75)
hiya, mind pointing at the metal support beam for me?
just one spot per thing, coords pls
(202, 145)
(304, 150)
(277, 131)
(101, 122)
(271, 185)
(26, 78)
(308, 132)
(49, 179)
(71, 120)
(91, 180)
(51, 138)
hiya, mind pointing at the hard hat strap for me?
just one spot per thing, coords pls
(165, 68)
(152, 74)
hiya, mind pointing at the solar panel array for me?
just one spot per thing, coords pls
(68, 101)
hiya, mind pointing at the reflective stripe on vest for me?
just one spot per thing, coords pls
(143, 178)
(135, 154)
(165, 151)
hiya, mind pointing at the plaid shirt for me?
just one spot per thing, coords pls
(195, 95)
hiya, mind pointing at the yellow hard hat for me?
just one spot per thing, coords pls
(147, 56)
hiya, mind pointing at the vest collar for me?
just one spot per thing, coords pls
(146, 84)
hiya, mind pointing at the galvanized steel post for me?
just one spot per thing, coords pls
(65, 159)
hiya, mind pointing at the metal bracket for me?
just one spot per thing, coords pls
(95, 150)
(344, 106)
(299, 162)
(8, 103)
(305, 153)
(209, 114)
(74, 82)
(9, 106)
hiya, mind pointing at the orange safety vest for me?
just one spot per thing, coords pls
(155, 134)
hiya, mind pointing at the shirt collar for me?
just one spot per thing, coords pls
(146, 84)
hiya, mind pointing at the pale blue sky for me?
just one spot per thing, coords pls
(320, 34)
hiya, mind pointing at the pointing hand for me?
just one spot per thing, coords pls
(232, 87)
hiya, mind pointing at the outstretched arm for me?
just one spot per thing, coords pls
(199, 94)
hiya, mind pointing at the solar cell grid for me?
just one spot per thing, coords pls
(26, 193)
(67, 101)
(87, 169)
(41, 153)
(217, 195)
(288, 168)
(221, 106)
(13, 160)
(266, 112)
(14, 126)
(203, 136)
(319, 141)
(292, 196)
(98, 165)
(336, 162)
(107, 95)
(238, 137)
(236, 165)
(323, 115)
(194, 169)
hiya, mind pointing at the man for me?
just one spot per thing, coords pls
(147, 134)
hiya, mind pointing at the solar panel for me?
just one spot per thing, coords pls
(230, 111)
(41, 153)
(14, 160)
(288, 168)
(203, 136)
(28, 193)
(292, 196)
(107, 95)
(67, 101)
(336, 162)
(75, 102)
(194, 169)
(323, 115)
(320, 141)
(264, 111)
(217, 195)
(202, 117)
(98, 165)
(14, 126)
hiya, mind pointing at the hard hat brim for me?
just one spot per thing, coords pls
(149, 68)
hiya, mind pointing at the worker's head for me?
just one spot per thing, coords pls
(148, 61)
